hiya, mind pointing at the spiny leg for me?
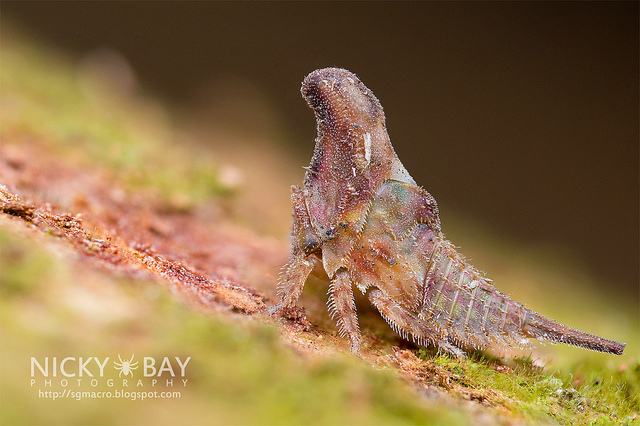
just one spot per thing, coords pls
(291, 281)
(342, 305)
(405, 323)
(304, 243)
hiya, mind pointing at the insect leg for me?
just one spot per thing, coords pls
(405, 323)
(292, 279)
(304, 244)
(342, 305)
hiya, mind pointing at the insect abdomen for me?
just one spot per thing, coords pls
(544, 328)
(466, 307)
(470, 312)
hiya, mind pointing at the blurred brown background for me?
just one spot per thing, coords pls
(520, 116)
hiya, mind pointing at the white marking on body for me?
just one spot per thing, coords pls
(487, 306)
(443, 281)
(471, 302)
(367, 147)
(473, 284)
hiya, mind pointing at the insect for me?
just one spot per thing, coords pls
(126, 367)
(364, 218)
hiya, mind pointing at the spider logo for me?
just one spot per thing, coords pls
(126, 367)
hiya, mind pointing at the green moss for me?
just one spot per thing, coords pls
(583, 393)
(239, 372)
